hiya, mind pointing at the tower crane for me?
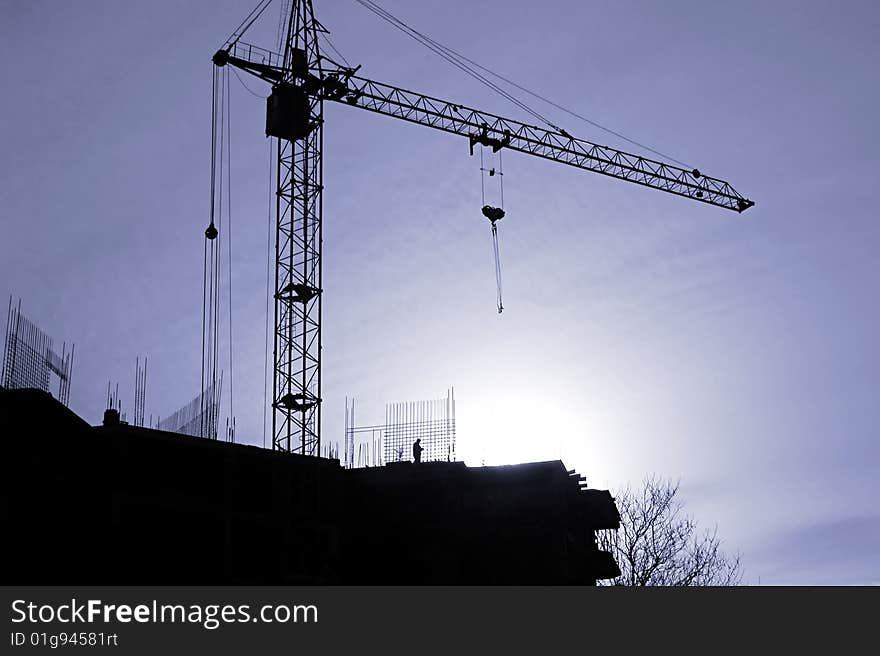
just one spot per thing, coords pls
(302, 80)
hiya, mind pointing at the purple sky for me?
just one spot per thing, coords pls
(642, 333)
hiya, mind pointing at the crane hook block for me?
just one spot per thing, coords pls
(493, 213)
(288, 113)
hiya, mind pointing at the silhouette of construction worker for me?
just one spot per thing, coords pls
(417, 451)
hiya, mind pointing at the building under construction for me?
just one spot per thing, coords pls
(124, 504)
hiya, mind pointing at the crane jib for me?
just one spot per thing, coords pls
(477, 126)
(302, 79)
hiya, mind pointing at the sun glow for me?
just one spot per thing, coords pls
(518, 424)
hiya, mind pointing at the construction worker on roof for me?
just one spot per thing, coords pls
(417, 451)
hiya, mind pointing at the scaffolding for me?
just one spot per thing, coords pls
(197, 418)
(140, 391)
(29, 359)
(432, 422)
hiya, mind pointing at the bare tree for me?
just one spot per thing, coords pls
(659, 545)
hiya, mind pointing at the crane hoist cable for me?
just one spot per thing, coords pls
(418, 36)
(247, 88)
(271, 197)
(284, 16)
(229, 237)
(494, 214)
(210, 235)
(468, 65)
(326, 38)
(249, 20)
(221, 181)
(210, 276)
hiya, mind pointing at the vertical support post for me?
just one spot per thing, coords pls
(296, 389)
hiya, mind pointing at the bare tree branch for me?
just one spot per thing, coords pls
(659, 545)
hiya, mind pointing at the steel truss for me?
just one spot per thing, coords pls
(296, 387)
(296, 399)
(342, 86)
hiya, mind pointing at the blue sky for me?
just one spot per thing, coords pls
(642, 333)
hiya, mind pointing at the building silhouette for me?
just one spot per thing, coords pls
(121, 504)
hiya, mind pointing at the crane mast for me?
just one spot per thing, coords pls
(296, 119)
(301, 80)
